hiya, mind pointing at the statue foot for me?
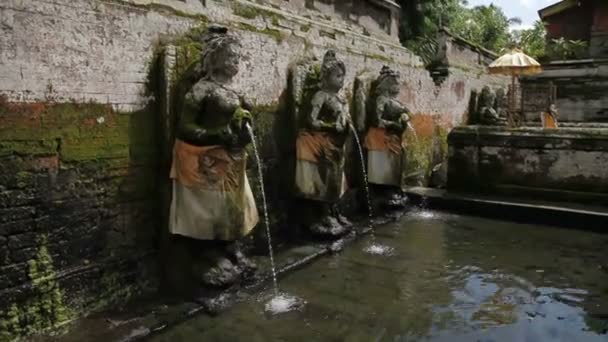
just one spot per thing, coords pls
(329, 226)
(225, 273)
(344, 221)
(246, 264)
(397, 200)
(235, 253)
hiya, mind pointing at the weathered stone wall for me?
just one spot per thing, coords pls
(560, 164)
(81, 135)
(598, 45)
(457, 52)
(581, 91)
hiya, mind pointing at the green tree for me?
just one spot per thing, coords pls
(532, 41)
(486, 26)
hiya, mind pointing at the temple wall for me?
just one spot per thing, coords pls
(581, 96)
(81, 137)
(565, 164)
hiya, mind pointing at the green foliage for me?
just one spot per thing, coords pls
(424, 46)
(531, 41)
(563, 49)
(486, 26)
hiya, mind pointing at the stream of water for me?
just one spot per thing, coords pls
(373, 248)
(280, 302)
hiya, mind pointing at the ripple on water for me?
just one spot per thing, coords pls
(377, 249)
(283, 303)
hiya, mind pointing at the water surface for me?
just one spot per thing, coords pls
(451, 278)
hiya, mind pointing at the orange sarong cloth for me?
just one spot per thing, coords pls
(311, 146)
(549, 121)
(378, 139)
(207, 167)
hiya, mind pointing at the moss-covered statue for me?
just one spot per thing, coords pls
(212, 199)
(487, 107)
(387, 120)
(320, 148)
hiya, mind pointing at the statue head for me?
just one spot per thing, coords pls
(388, 82)
(333, 71)
(220, 56)
(486, 99)
(553, 109)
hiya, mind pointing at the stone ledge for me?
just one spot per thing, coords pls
(516, 208)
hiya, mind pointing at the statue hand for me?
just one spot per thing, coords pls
(200, 133)
(394, 126)
(228, 138)
(339, 128)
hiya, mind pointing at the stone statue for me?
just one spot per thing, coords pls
(501, 105)
(486, 107)
(320, 147)
(549, 117)
(212, 199)
(387, 120)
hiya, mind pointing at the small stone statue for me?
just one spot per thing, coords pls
(212, 199)
(549, 117)
(501, 105)
(388, 119)
(320, 147)
(487, 113)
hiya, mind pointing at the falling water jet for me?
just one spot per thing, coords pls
(373, 248)
(280, 302)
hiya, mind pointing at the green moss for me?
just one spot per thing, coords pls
(331, 35)
(443, 140)
(44, 308)
(418, 154)
(160, 8)
(247, 12)
(276, 34)
(263, 118)
(252, 12)
(113, 290)
(380, 57)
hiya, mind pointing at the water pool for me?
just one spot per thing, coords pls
(451, 278)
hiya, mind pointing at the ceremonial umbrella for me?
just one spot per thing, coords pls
(514, 63)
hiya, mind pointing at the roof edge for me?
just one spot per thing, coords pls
(386, 3)
(556, 8)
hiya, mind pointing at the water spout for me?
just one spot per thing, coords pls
(265, 207)
(365, 182)
(373, 248)
(280, 302)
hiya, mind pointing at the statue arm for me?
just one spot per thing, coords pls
(187, 127)
(378, 120)
(317, 104)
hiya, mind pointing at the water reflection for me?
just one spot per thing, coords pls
(452, 278)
